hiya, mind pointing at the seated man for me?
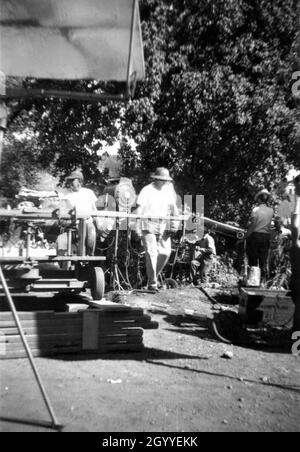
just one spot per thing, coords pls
(203, 258)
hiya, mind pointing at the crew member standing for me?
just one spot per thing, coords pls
(157, 199)
(84, 200)
(259, 233)
(295, 256)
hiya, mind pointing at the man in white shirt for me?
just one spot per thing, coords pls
(84, 201)
(259, 233)
(157, 199)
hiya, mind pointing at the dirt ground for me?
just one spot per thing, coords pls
(180, 383)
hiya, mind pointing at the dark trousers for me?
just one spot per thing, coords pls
(296, 300)
(203, 264)
(90, 241)
(295, 285)
(258, 247)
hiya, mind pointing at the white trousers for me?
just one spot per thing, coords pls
(158, 251)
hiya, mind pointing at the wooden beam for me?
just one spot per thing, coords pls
(19, 353)
(70, 331)
(40, 323)
(22, 93)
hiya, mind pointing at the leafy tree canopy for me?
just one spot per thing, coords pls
(216, 106)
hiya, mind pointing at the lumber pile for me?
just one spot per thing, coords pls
(106, 329)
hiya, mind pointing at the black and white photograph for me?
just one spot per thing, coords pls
(149, 219)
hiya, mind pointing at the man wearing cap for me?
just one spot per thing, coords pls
(295, 256)
(259, 233)
(83, 200)
(157, 199)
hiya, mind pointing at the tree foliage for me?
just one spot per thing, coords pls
(73, 132)
(68, 134)
(20, 164)
(216, 106)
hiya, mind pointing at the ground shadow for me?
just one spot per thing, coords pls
(201, 333)
(230, 329)
(294, 388)
(32, 423)
(144, 355)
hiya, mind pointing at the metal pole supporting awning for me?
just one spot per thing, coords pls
(71, 40)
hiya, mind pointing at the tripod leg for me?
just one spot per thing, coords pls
(117, 284)
(55, 424)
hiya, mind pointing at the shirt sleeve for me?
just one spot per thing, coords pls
(172, 200)
(143, 197)
(90, 198)
(69, 199)
(254, 213)
(211, 244)
(93, 197)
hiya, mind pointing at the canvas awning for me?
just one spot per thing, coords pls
(71, 39)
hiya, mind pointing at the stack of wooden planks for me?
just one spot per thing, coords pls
(103, 330)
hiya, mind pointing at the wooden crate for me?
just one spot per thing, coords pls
(270, 307)
(106, 329)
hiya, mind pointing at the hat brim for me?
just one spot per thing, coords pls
(262, 193)
(114, 179)
(74, 177)
(161, 178)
